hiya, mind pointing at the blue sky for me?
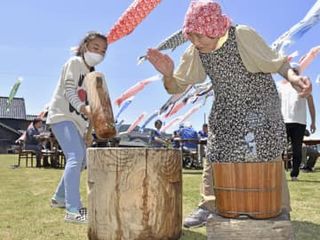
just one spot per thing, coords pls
(36, 37)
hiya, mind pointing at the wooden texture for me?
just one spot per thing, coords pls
(252, 189)
(134, 193)
(219, 228)
(101, 109)
(26, 154)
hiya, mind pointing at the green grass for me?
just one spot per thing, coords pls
(25, 212)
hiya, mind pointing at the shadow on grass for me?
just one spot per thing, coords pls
(306, 230)
(192, 235)
(191, 172)
(308, 181)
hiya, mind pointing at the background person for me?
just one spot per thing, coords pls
(310, 154)
(203, 133)
(156, 140)
(187, 132)
(294, 112)
(175, 139)
(32, 141)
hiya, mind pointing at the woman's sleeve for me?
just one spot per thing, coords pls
(256, 55)
(190, 71)
(71, 73)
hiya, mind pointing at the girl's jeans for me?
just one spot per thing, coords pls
(74, 149)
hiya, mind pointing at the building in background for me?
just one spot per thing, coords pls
(12, 122)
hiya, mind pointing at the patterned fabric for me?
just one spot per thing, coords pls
(131, 18)
(205, 18)
(245, 122)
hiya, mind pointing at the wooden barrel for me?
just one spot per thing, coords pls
(134, 193)
(252, 189)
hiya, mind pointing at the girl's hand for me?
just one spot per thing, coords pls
(86, 111)
(162, 62)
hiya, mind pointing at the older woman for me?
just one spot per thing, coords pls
(245, 123)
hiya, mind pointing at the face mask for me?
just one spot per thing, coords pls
(92, 59)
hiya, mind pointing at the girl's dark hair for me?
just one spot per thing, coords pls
(90, 36)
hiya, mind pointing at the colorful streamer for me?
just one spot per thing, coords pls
(173, 99)
(131, 18)
(177, 107)
(13, 92)
(135, 89)
(152, 116)
(299, 29)
(171, 42)
(199, 91)
(123, 107)
(169, 102)
(136, 122)
(173, 122)
(308, 58)
(190, 112)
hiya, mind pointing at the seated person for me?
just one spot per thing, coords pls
(204, 132)
(187, 132)
(53, 146)
(310, 155)
(156, 140)
(32, 141)
(175, 139)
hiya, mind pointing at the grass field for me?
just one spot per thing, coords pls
(25, 213)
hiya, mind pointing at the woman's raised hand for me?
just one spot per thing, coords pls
(162, 62)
